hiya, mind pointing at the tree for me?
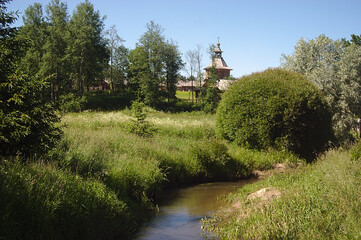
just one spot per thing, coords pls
(153, 42)
(154, 66)
(121, 63)
(55, 65)
(33, 33)
(27, 120)
(140, 76)
(354, 40)
(211, 94)
(10, 47)
(191, 58)
(336, 69)
(210, 51)
(198, 53)
(87, 48)
(173, 63)
(118, 57)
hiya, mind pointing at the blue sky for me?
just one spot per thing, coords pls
(253, 33)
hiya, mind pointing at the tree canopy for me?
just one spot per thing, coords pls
(154, 66)
(335, 67)
(27, 119)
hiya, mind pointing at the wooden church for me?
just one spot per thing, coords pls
(222, 69)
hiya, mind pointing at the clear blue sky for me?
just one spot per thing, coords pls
(253, 33)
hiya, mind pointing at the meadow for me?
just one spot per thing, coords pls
(103, 181)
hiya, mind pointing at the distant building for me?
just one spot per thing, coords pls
(186, 85)
(222, 69)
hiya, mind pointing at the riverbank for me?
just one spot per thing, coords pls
(318, 201)
(103, 182)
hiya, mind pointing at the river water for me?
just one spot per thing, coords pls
(180, 214)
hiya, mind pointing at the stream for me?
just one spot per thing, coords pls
(180, 214)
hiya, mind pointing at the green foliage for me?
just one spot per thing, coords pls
(153, 67)
(55, 63)
(356, 152)
(33, 33)
(27, 120)
(106, 179)
(216, 163)
(211, 99)
(118, 61)
(335, 68)
(275, 109)
(87, 48)
(252, 159)
(211, 94)
(38, 201)
(140, 126)
(102, 100)
(71, 103)
(319, 201)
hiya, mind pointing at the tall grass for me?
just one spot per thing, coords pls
(321, 201)
(38, 201)
(102, 181)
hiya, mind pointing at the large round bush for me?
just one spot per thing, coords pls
(275, 109)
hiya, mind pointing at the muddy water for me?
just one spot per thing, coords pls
(179, 216)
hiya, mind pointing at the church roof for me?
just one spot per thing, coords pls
(219, 64)
(218, 61)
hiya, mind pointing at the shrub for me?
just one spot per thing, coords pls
(213, 156)
(275, 109)
(103, 100)
(71, 103)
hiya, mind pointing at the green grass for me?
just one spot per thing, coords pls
(39, 201)
(185, 95)
(101, 172)
(320, 201)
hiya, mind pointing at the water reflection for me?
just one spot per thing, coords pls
(180, 214)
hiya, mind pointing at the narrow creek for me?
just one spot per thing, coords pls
(180, 214)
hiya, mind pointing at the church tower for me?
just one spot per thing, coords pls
(222, 68)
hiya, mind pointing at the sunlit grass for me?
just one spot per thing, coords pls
(320, 201)
(185, 95)
(100, 168)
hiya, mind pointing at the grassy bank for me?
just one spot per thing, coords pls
(320, 201)
(102, 177)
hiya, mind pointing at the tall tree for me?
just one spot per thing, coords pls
(191, 58)
(211, 94)
(153, 42)
(173, 63)
(199, 56)
(55, 65)
(26, 118)
(141, 80)
(210, 51)
(121, 63)
(162, 63)
(34, 34)
(10, 47)
(87, 46)
(336, 69)
(118, 59)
